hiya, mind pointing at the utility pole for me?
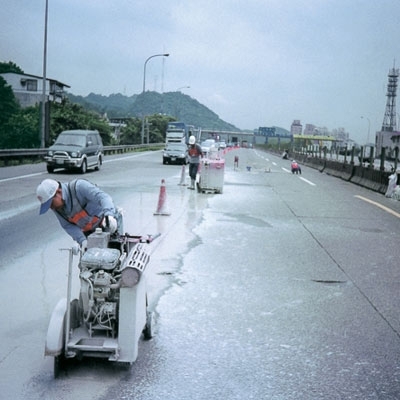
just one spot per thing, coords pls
(43, 113)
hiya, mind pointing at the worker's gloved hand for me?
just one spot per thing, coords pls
(83, 246)
(111, 226)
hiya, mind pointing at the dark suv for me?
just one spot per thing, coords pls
(175, 153)
(76, 149)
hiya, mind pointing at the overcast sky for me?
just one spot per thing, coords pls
(253, 62)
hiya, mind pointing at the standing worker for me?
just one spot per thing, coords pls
(195, 153)
(80, 207)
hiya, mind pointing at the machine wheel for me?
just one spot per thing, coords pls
(50, 169)
(84, 167)
(59, 364)
(75, 314)
(148, 329)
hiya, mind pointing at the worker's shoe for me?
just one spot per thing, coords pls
(191, 185)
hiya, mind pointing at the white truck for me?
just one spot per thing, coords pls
(178, 132)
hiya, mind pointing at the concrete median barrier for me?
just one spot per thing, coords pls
(339, 170)
(371, 179)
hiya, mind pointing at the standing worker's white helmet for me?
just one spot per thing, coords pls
(192, 140)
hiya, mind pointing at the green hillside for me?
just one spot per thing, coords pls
(176, 104)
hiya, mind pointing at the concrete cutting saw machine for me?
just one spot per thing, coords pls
(111, 313)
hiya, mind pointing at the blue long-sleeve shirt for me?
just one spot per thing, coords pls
(94, 201)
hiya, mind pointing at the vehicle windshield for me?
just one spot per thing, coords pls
(178, 147)
(71, 140)
(176, 134)
(208, 142)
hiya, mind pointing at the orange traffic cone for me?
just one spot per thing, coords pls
(183, 176)
(162, 200)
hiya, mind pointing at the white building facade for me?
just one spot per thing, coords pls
(28, 89)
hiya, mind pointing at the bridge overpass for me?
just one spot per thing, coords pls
(227, 136)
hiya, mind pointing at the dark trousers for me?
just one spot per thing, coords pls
(193, 168)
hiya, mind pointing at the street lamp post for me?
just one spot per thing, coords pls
(369, 127)
(144, 84)
(43, 111)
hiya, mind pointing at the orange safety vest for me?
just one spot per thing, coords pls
(79, 216)
(194, 151)
(83, 220)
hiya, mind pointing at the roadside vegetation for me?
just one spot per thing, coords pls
(20, 127)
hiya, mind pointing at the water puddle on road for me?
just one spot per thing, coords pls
(248, 220)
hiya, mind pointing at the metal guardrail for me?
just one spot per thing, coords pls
(8, 156)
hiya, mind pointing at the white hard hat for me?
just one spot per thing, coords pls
(45, 193)
(192, 140)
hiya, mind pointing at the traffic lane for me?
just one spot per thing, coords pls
(18, 184)
(277, 164)
(369, 235)
(122, 177)
(361, 236)
(243, 212)
(20, 222)
(23, 169)
(360, 229)
(293, 260)
(33, 275)
(261, 309)
(257, 330)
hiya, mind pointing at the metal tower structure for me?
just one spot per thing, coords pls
(389, 120)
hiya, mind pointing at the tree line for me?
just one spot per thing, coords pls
(20, 126)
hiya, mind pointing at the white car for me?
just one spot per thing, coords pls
(222, 145)
(207, 145)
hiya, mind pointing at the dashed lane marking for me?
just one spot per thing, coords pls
(307, 181)
(300, 177)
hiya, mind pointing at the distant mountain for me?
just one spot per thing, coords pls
(115, 105)
(176, 104)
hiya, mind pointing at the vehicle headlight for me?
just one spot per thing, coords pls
(75, 154)
(50, 153)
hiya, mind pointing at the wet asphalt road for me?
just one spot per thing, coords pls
(282, 287)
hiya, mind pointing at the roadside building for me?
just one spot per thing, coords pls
(28, 89)
(296, 128)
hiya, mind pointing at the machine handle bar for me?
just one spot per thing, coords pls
(141, 238)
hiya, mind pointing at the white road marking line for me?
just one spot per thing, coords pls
(46, 173)
(307, 181)
(300, 177)
(22, 176)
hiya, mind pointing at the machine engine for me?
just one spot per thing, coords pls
(103, 272)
